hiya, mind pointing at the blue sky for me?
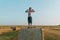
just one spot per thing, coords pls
(12, 12)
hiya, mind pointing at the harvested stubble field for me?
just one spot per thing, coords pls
(52, 33)
(6, 29)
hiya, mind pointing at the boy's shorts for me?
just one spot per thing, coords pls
(29, 19)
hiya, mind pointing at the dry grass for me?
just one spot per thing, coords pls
(51, 36)
(52, 33)
(6, 29)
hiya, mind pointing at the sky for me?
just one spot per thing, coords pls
(12, 12)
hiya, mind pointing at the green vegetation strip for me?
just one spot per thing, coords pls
(8, 36)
